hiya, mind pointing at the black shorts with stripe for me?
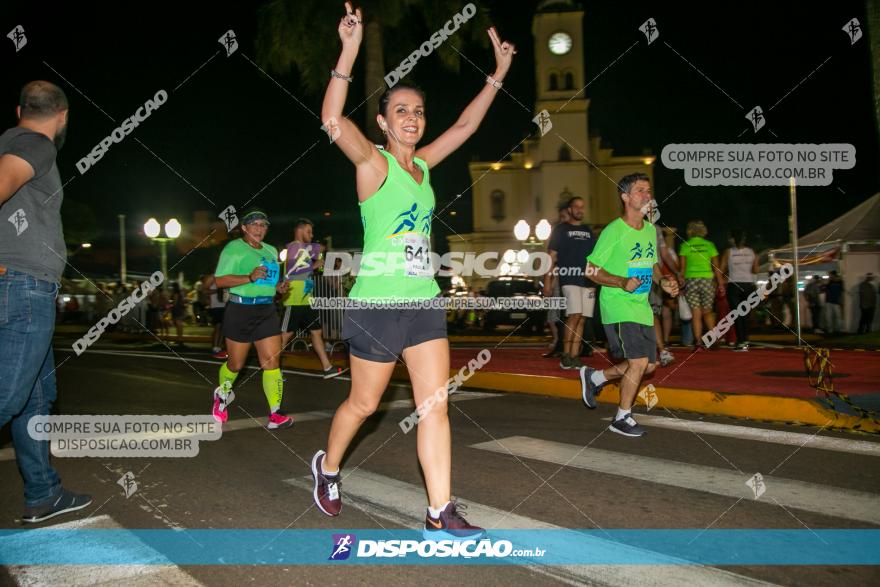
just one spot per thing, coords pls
(250, 322)
(629, 340)
(381, 335)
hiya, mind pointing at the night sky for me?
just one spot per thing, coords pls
(231, 132)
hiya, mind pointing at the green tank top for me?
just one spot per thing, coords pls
(396, 262)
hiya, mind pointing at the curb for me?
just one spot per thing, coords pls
(776, 409)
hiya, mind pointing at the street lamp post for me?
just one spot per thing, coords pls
(523, 233)
(123, 276)
(172, 231)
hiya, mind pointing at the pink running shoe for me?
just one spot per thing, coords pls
(279, 420)
(220, 413)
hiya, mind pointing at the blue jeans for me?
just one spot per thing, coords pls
(27, 375)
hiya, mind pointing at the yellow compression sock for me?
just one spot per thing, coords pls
(273, 387)
(227, 378)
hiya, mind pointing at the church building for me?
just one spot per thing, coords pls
(560, 160)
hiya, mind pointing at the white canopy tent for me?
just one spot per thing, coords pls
(849, 244)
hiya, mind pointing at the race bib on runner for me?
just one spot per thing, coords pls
(417, 255)
(645, 275)
(272, 271)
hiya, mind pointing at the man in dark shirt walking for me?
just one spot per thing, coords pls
(32, 259)
(570, 244)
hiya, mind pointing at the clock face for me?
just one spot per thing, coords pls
(559, 43)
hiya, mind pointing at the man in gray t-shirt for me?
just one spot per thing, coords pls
(31, 238)
(32, 259)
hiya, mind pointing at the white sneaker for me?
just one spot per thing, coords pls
(666, 358)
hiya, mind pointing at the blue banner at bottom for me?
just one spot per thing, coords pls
(51, 546)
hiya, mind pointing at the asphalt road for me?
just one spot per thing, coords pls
(518, 461)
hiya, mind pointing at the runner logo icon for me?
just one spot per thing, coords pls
(342, 546)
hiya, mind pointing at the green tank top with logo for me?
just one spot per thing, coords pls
(239, 258)
(396, 262)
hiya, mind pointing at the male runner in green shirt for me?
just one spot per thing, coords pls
(624, 261)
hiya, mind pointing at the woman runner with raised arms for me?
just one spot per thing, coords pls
(397, 205)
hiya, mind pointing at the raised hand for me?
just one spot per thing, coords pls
(351, 26)
(504, 53)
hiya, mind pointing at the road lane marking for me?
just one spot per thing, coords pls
(86, 575)
(165, 357)
(404, 504)
(821, 499)
(862, 447)
(8, 454)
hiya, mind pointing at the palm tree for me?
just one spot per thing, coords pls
(301, 35)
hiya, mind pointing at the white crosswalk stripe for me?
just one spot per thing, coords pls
(8, 454)
(403, 504)
(144, 575)
(861, 447)
(823, 499)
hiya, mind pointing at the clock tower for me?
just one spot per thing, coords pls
(552, 167)
(563, 151)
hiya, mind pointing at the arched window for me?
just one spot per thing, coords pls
(564, 153)
(497, 205)
(554, 82)
(569, 80)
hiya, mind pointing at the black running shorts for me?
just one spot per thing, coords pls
(629, 340)
(380, 335)
(250, 322)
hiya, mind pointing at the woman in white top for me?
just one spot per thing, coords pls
(739, 266)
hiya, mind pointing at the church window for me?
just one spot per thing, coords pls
(497, 204)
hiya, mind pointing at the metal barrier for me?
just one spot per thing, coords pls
(331, 286)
